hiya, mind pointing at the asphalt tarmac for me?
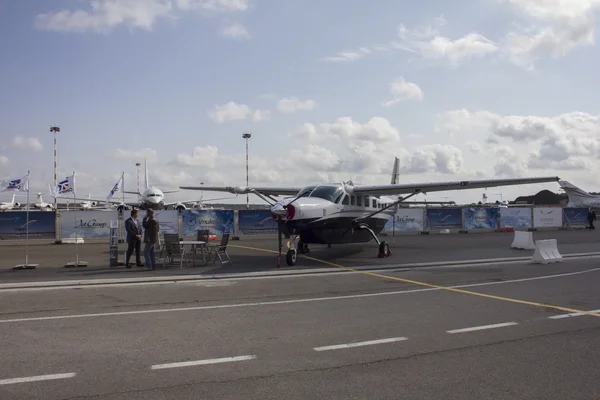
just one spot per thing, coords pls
(470, 329)
(258, 254)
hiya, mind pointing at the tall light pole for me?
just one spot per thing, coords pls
(54, 130)
(138, 179)
(247, 136)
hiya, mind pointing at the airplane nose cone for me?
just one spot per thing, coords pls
(278, 210)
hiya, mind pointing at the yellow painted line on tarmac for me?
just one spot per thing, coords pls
(430, 285)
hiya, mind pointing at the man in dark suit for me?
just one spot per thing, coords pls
(134, 238)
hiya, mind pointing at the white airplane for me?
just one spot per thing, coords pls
(340, 213)
(150, 197)
(91, 204)
(5, 206)
(579, 197)
(42, 205)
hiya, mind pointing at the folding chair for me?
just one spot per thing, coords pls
(172, 249)
(219, 251)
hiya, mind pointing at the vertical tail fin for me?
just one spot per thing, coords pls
(575, 194)
(396, 172)
(13, 199)
(146, 173)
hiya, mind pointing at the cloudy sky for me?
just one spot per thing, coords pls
(330, 90)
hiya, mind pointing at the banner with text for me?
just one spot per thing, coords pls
(481, 218)
(547, 217)
(86, 224)
(444, 217)
(406, 219)
(575, 216)
(515, 217)
(13, 225)
(216, 221)
(256, 221)
(168, 221)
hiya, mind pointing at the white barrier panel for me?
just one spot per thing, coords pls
(523, 241)
(546, 251)
(547, 217)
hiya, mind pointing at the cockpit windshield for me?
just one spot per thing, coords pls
(331, 193)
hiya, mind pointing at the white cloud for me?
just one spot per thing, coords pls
(350, 55)
(3, 160)
(261, 115)
(24, 143)
(200, 157)
(230, 111)
(316, 157)
(293, 104)
(308, 132)
(402, 90)
(135, 155)
(376, 129)
(567, 141)
(234, 31)
(213, 5)
(106, 15)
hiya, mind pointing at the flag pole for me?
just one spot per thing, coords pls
(123, 185)
(27, 265)
(77, 262)
(27, 226)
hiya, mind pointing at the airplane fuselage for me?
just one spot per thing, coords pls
(152, 198)
(328, 216)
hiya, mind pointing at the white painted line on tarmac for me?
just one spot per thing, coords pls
(294, 301)
(483, 327)
(37, 378)
(358, 344)
(203, 362)
(158, 280)
(572, 315)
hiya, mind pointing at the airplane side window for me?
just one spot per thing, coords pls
(374, 203)
(352, 200)
(366, 201)
(345, 201)
(359, 200)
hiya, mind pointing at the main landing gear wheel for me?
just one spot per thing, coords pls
(291, 257)
(384, 250)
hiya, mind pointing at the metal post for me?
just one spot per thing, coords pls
(54, 130)
(138, 180)
(247, 136)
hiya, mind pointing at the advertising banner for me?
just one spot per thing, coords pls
(481, 218)
(86, 224)
(13, 225)
(515, 217)
(256, 221)
(547, 217)
(406, 219)
(216, 221)
(168, 221)
(444, 217)
(575, 216)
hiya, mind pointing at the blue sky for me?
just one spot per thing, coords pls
(474, 89)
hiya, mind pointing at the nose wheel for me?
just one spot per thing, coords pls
(291, 257)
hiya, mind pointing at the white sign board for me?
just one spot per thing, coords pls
(86, 224)
(406, 219)
(547, 217)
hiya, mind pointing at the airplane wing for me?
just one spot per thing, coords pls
(268, 191)
(104, 201)
(400, 189)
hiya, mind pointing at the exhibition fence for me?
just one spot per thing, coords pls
(96, 224)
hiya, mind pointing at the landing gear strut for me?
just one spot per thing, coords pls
(384, 248)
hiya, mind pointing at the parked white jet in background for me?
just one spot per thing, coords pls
(42, 205)
(10, 205)
(150, 197)
(337, 213)
(579, 197)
